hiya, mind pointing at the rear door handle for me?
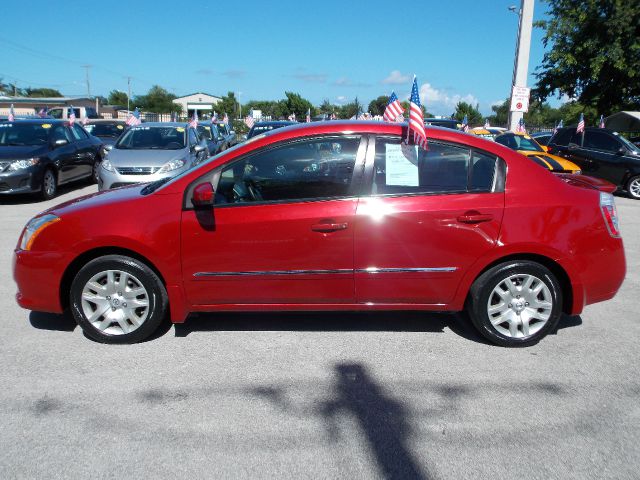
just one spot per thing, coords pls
(328, 227)
(475, 218)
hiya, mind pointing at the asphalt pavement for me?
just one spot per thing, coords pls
(339, 395)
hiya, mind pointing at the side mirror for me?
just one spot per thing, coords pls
(622, 151)
(198, 148)
(108, 147)
(60, 142)
(203, 195)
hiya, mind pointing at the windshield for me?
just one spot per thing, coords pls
(24, 134)
(519, 142)
(204, 131)
(105, 129)
(152, 138)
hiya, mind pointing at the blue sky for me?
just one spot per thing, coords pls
(334, 50)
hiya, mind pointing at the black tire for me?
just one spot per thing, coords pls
(633, 187)
(138, 275)
(484, 289)
(49, 187)
(95, 171)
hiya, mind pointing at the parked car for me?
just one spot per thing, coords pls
(542, 137)
(150, 152)
(635, 141)
(38, 155)
(336, 215)
(229, 135)
(211, 134)
(604, 154)
(443, 122)
(527, 146)
(482, 133)
(80, 112)
(107, 130)
(264, 127)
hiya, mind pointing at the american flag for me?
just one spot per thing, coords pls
(12, 115)
(292, 117)
(394, 109)
(84, 120)
(43, 112)
(134, 118)
(486, 124)
(601, 124)
(333, 116)
(580, 128)
(308, 119)
(194, 120)
(248, 120)
(465, 124)
(72, 115)
(416, 118)
(559, 125)
(521, 128)
(225, 119)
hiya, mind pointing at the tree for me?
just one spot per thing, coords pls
(474, 117)
(116, 97)
(294, 103)
(327, 108)
(41, 92)
(378, 106)
(157, 100)
(228, 105)
(351, 109)
(594, 55)
(500, 114)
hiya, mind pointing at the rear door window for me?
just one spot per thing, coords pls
(601, 141)
(563, 137)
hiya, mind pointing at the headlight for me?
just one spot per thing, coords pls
(22, 164)
(34, 227)
(172, 165)
(578, 172)
(106, 164)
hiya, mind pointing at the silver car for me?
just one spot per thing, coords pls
(151, 151)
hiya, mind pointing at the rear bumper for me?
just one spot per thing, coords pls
(38, 276)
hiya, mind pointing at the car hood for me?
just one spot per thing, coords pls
(144, 158)
(16, 153)
(88, 202)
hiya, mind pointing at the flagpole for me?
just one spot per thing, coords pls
(409, 112)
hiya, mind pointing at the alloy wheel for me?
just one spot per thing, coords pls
(634, 187)
(519, 306)
(49, 183)
(115, 302)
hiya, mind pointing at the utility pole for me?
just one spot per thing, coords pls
(128, 93)
(87, 67)
(521, 61)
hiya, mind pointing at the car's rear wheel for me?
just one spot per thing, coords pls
(95, 171)
(118, 299)
(633, 187)
(515, 304)
(49, 187)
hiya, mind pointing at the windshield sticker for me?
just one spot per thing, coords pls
(206, 128)
(46, 125)
(119, 127)
(140, 128)
(180, 129)
(402, 165)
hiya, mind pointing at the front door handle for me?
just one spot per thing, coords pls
(475, 218)
(328, 227)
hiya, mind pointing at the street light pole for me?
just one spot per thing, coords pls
(128, 93)
(521, 61)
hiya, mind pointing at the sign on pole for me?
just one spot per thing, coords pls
(520, 99)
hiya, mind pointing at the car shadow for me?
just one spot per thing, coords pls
(30, 198)
(52, 321)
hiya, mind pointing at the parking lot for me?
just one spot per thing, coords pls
(339, 395)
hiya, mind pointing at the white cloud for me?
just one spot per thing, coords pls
(440, 102)
(341, 99)
(396, 78)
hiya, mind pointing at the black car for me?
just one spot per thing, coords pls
(601, 153)
(106, 130)
(443, 122)
(542, 137)
(264, 127)
(38, 155)
(210, 132)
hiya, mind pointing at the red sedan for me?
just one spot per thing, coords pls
(331, 216)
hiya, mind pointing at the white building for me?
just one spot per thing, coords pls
(200, 102)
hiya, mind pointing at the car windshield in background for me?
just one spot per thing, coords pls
(205, 131)
(519, 142)
(152, 138)
(104, 130)
(24, 134)
(257, 130)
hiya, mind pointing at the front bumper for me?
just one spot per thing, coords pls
(20, 181)
(108, 180)
(38, 276)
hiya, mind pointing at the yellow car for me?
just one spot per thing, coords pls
(482, 132)
(524, 144)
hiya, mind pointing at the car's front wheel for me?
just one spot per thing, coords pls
(515, 304)
(118, 299)
(49, 187)
(633, 187)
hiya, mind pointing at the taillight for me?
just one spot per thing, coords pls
(610, 214)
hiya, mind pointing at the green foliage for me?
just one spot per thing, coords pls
(41, 92)
(500, 114)
(327, 108)
(474, 117)
(350, 109)
(268, 108)
(228, 105)
(377, 106)
(116, 97)
(594, 53)
(294, 103)
(157, 100)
